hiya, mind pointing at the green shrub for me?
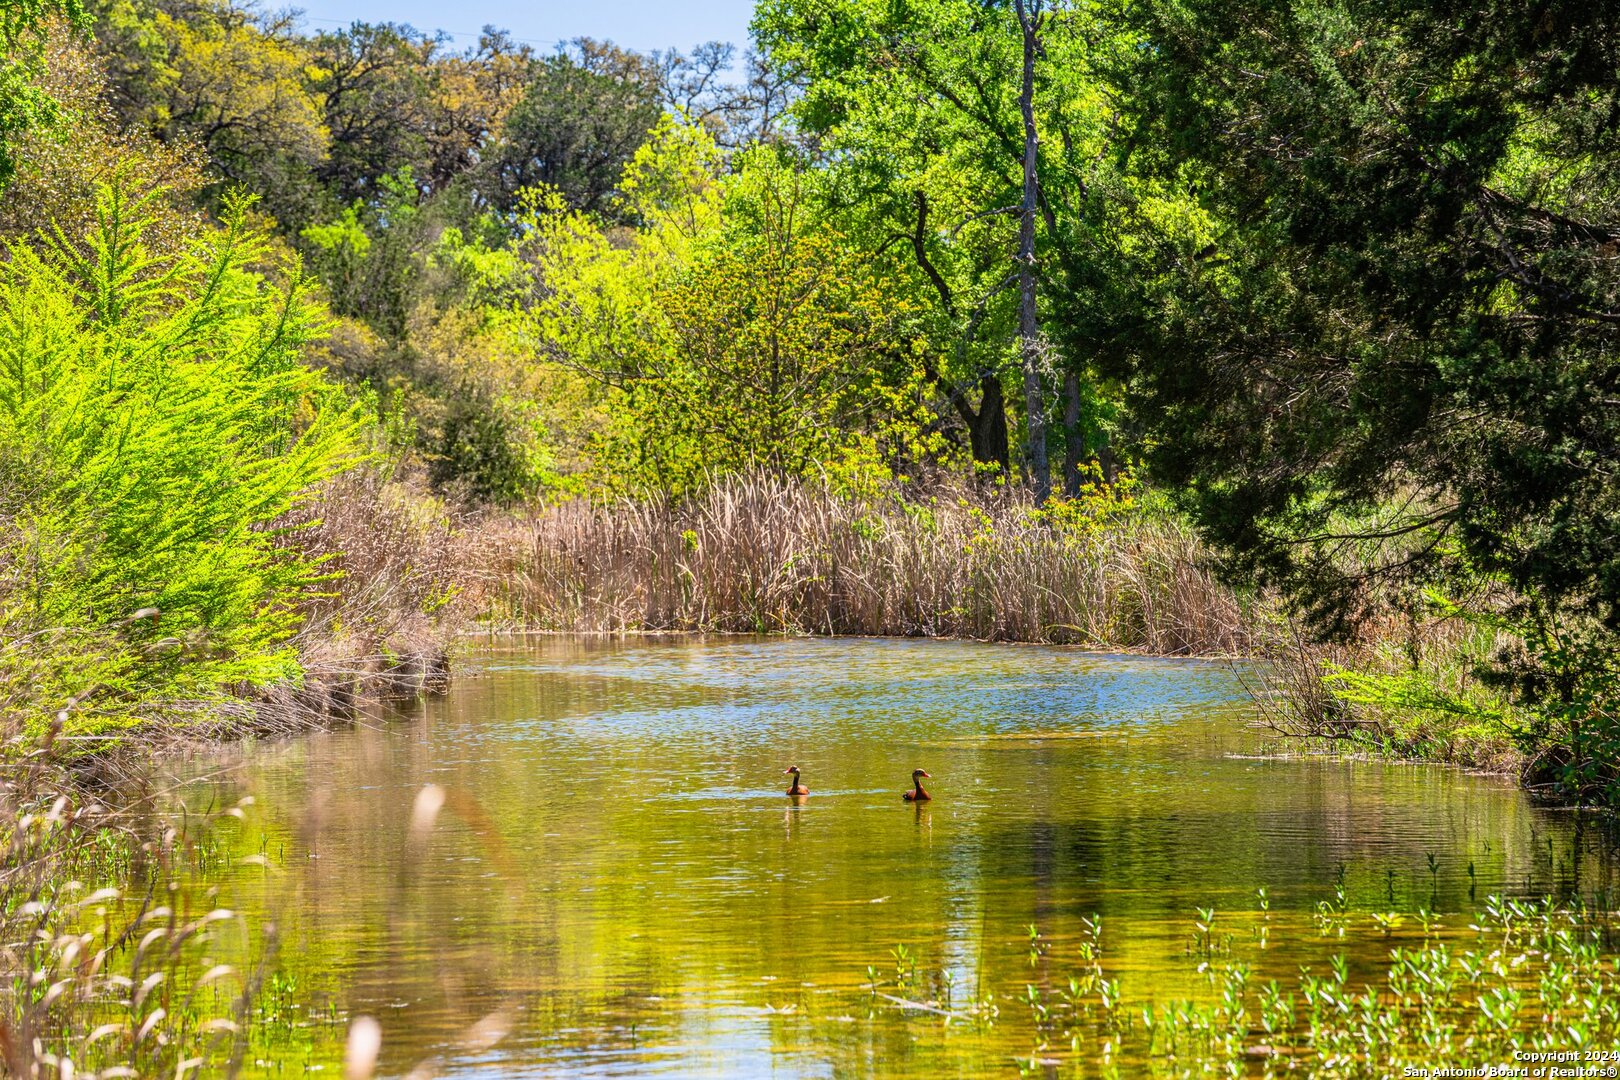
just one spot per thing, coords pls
(155, 419)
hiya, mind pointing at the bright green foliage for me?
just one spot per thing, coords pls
(155, 420)
(736, 329)
(785, 352)
(368, 257)
(1434, 711)
(23, 105)
(922, 171)
(919, 106)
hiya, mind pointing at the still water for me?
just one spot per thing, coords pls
(618, 886)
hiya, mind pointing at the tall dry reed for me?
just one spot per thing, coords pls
(384, 615)
(758, 554)
(108, 947)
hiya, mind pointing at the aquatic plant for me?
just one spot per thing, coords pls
(1525, 978)
(752, 553)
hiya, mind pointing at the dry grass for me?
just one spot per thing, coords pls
(1289, 694)
(759, 555)
(403, 572)
(379, 622)
(382, 620)
(103, 935)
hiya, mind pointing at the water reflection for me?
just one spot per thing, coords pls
(618, 868)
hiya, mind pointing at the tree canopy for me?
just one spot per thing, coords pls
(1398, 356)
(1338, 279)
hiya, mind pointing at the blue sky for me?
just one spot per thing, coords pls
(637, 24)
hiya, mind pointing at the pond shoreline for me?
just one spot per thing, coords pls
(517, 630)
(332, 702)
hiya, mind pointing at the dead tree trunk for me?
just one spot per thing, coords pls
(989, 428)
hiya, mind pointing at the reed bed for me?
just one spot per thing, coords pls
(756, 554)
(382, 619)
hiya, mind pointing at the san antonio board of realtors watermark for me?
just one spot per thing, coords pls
(1544, 1064)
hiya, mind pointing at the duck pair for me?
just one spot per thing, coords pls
(916, 794)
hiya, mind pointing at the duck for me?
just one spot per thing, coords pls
(917, 794)
(797, 788)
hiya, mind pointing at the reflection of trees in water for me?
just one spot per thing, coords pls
(623, 877)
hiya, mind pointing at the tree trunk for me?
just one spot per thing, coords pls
(1106, 462)
(1029, 328)
(1074, 436)
(988, 430)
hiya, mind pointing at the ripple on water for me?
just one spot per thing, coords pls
(619, 862)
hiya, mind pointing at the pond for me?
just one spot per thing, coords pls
(617, 884)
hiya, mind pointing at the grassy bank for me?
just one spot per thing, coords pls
(756, 554)
(1469, 685)
(385, 614)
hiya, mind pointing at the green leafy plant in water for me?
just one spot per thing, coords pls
(905, 966)
(1203, 931)
(1332, 915)
(1037, 944)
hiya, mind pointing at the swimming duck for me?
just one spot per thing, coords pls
(917, 794)
(797, 788)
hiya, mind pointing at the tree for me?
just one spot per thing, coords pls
(24, 105)
(224, 77)
(734, 330)
(476, 92)
(378, 87)
(581, 118)
(737, 115)
(1030, 19)
(1397, 363)
(372, 254)
(155, 420)
(61, 169)
(970, 136)
(785, 349)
